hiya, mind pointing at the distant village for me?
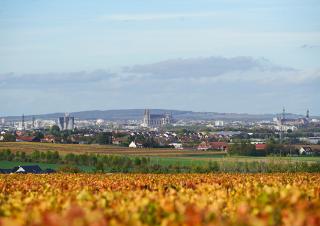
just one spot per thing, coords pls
(164, 131)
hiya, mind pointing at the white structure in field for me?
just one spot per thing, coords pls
(176, 145)
(135, 145)
(305, 151)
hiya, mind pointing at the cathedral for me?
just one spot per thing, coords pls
(156, 120)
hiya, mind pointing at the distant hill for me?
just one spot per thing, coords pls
(137, 114)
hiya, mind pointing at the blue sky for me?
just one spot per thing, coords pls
(242, 56)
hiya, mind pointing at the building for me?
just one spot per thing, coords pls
(261, 146)
(305, 150)
(222, 146)
(218, 123)
(156, 120)
(27, 139)
(310, 140)
(203, 146)
(176, 145)
(135, 145)
(48, 139)
(66, 122)
(284, 123)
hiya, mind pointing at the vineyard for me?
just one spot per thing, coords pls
(160, 199)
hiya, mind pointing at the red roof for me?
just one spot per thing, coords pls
(203, 145)
(218, 145)
(261, 146)
(25, 138)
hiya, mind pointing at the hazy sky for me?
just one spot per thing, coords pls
(203, 55)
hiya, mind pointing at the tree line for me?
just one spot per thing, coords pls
(245, 148)
(124, 164)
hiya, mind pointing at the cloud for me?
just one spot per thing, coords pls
(306, 46)
(155, 16)
(210, 67)
(218, 84)
(193, 70)
(71, 79)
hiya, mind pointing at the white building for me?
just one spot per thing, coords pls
(305, 151)
(176, 145)
(285, 128)
(218, 123)
(135, 145)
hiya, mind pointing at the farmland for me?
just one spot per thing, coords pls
(149, 199)
(165, 156)
(97, 149)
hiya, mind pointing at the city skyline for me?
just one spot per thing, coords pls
(130, 114)
(213, 56)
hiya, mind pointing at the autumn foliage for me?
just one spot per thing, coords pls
(163, 199)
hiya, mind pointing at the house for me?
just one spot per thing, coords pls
(176, 145)
(261, 146)
(218, 146)
(20, 133)
(135, 145)
(305, 150)
(48, 139)
(213, 146)
(203, 146)
(119, 141)
(27, 139)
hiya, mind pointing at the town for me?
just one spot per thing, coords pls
(283, 135)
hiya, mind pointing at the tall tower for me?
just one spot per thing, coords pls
(146, 118)
(283, 113)
(307, 115)
(22, 123)
(66, 122)
(33, 122)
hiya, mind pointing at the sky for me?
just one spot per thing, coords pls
(203, 55)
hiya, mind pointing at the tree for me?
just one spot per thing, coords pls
(35, 156)
(39, 135)
(104, 138)
(55, 130)
(9, 137)
(70, 158)
(244, 147)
